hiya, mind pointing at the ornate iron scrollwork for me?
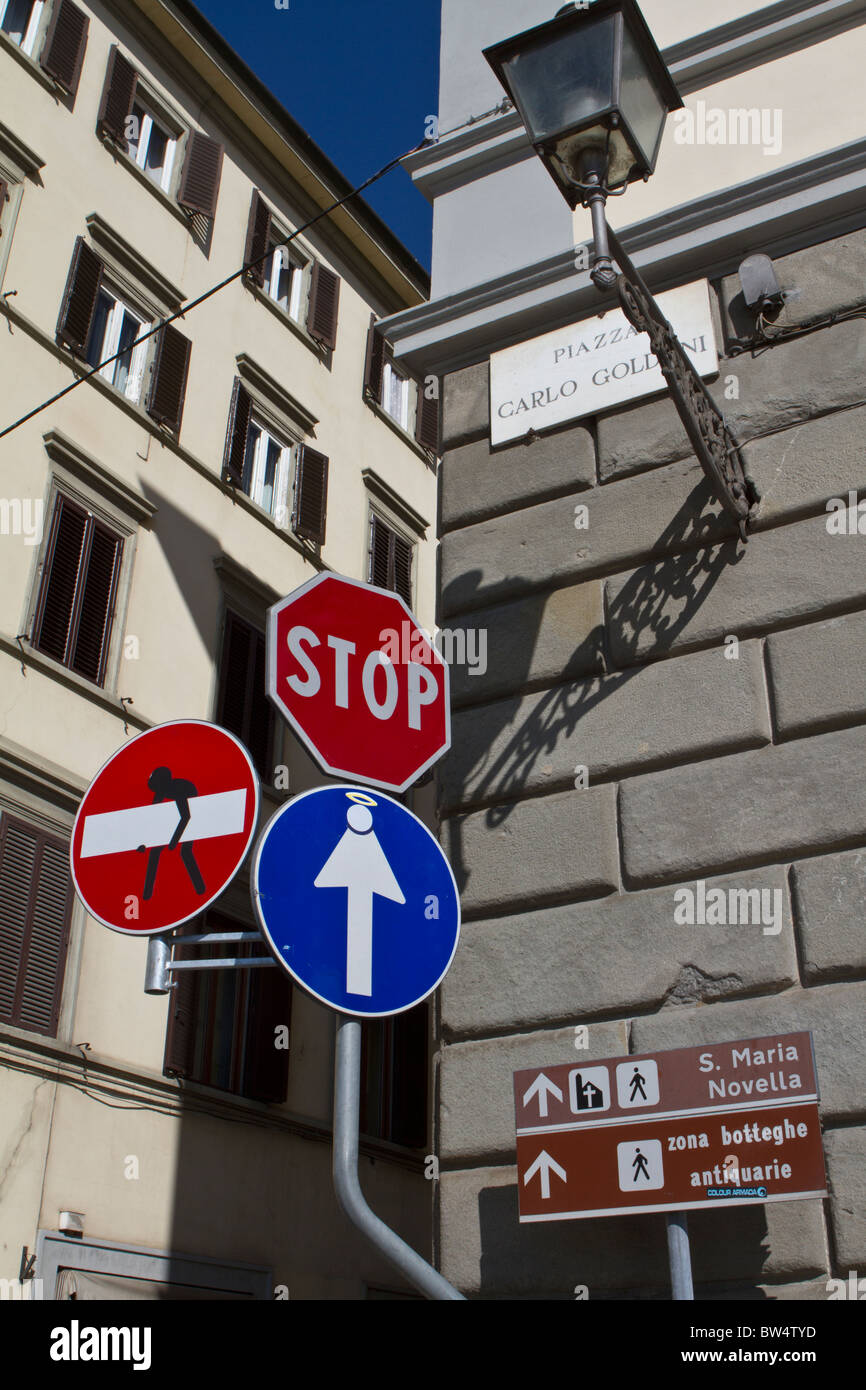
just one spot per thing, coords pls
(715, 446)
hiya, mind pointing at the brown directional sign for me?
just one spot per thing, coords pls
(767, 1154)
(714, 1076)
(720, 1124)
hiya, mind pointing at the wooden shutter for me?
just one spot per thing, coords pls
(96, 604)
(390, 560)
(258, 239)
(380, 553)
(35, 912)
(243, 706)
(266, 1072)
(168, 383)
(236, 435)
(427, 421)
(79, 582)
(118, 96)
(374, 364)
(4, 194)
(180, 1037)
(324, 305)
(79, 298)
(65, 42)
(311, 495)
(200, 180)
(401, 581)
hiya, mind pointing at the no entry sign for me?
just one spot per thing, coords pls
(721, 1124)
(358, 680)
(164, 827)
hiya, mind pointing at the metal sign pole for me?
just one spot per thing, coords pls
(680, 1257)
(347, 1100)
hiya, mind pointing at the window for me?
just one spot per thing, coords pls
(75, 608)
(390, 559)
(62, 53)
(258, 461)
(20, 20)
(93, 317)
(284, 273)
(410, 402)
(150, 145)
(35, 911)
(394, 1071)
(223, 1024)
(284, 280)
(132, 118)
(242, 705)
(114, 329)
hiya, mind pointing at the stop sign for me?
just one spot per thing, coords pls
(359, 681)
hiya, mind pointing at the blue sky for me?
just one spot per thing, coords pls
(361, 77)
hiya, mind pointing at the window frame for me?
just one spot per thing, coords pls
(152, 117)
(34, 24)
(390, 375)
(301, 266)
(376, 512)
(43, 835)
(254, 469)
(141, 355)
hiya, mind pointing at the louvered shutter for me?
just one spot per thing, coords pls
(266, 1072)
(118, 96)
(324, 305)
(200, 180)
(65, 42)
(311, 495)
(427, 421)
(63, 560)
(168, 383)
(35, 912)
(401, 581)
(374, 364)
(4, 194)
(79, 298)
(96, 605)
(180, 1037)
(258, 239)
(236, 435)
(380, 553)
(243, 707)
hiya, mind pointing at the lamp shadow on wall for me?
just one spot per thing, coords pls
(659, 599)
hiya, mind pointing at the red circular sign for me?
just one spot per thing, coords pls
(164, 827)
(359, 681)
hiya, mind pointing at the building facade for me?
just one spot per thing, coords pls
(665, 710)
(208, 465)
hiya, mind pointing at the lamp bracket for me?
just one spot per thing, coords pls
(715, 446)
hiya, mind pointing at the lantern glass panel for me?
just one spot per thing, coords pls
(563, 80)
(641, 104)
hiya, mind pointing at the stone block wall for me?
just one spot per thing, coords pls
(715, 694)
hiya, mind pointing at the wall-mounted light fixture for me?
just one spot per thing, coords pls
(593, 91)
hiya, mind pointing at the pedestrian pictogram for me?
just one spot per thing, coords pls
(637, 1084)
(357, 900)
(640, 1166)
(164, 827)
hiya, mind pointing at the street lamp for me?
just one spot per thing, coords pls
(593, 92)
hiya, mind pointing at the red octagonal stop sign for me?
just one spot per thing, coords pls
(358, 681)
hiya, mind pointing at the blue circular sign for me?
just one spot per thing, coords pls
(356, 899)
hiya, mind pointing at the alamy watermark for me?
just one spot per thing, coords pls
(22, 516)
(711, 125)
(464, 646)
(719, 907)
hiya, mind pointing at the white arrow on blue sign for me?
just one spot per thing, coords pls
(356, 899)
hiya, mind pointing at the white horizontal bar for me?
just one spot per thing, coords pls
(114, 832)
